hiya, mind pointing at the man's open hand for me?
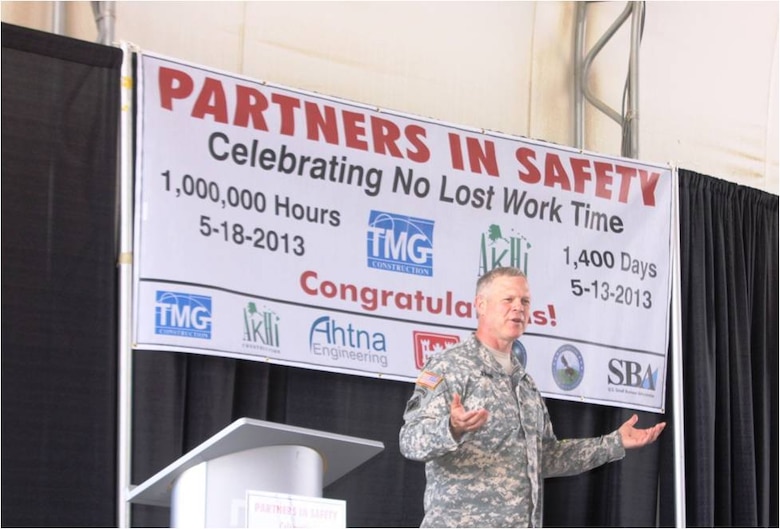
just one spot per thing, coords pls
(635, 437)
(462, 421)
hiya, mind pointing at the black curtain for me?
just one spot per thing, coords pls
(60, 108)
(729, 265)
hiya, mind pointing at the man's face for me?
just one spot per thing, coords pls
(504, 308)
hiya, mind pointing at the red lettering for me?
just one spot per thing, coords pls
(649, 181)
(580, 167)
(385, 134)
(262, 110)
(173, 84)
(587, 176)
(603, 180)
(416, 134)
(305, 278)
(321, 123)
(287, 106)
(354, 130)
(456, 154)
(250, 105)
(526, 156)
(211, 100)
(479, 157)
(626, 174)
(554, 173)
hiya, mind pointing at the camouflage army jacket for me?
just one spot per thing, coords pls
(491, 477)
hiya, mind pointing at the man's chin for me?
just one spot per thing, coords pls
(518, 330)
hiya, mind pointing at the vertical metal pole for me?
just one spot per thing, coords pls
(677, 367)
(631, 118)
(109, 22)
(579, 75)
(582, 71)
(58, 18)
(125, 264)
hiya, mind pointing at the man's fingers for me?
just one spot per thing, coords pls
(463, 420)
(475, 419)
(657, 429)
(455, 401)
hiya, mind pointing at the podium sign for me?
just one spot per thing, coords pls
(266, 509)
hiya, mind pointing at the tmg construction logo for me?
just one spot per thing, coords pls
(261, 329)
(399, 243)
(500, 248)
(179, 314)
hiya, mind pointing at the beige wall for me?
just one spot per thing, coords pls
(708, 70)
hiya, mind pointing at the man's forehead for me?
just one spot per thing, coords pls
(512, 283)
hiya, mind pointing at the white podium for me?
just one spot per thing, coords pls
(207, 487)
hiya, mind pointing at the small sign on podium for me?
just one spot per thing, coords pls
(271, 509)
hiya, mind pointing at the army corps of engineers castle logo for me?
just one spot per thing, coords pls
(427, 344)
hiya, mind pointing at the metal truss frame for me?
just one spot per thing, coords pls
(628, 117)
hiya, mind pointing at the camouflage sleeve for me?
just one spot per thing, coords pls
(426, 434)
(573, 456)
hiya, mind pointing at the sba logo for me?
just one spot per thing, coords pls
(177, 314)
(400, 243)
(632, 374)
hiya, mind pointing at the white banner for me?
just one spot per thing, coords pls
(284, 226)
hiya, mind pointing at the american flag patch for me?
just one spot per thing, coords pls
(428, 380)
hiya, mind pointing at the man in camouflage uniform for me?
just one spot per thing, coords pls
(480, 424)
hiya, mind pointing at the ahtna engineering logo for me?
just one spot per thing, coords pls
(399, 243)
(179, 314)
(497, 249)
(347, 345)
(261, 328)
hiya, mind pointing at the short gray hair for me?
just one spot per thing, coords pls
(501, 271)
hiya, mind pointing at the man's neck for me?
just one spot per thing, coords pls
(502, 346)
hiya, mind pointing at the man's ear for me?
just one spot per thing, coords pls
(479, 304)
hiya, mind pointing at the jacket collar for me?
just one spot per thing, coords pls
(491, 364)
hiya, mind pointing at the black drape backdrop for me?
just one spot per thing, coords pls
(60, 106)
(60, 109)
(729, 264)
